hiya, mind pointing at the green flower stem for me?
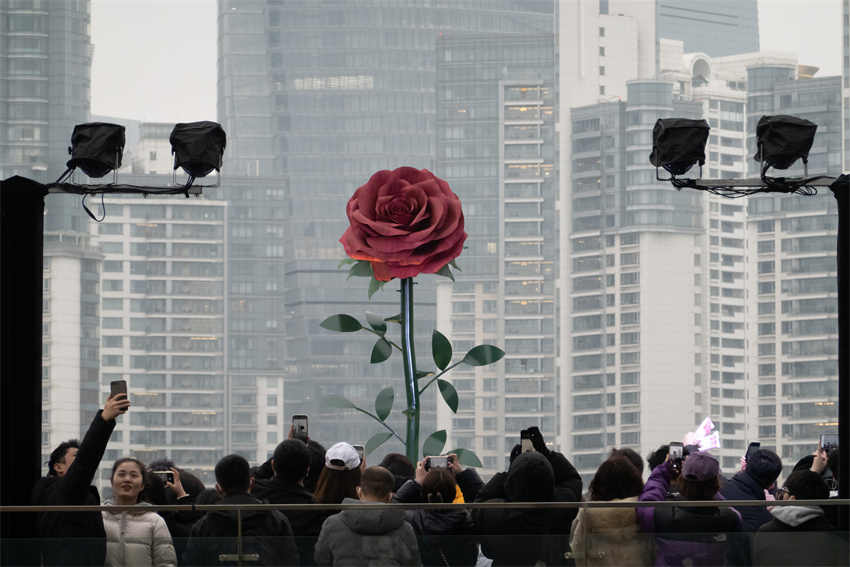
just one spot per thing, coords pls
(434, 379)
(409, 360)
(375, 417)
(377, 334)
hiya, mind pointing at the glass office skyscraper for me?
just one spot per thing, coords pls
(326, 93)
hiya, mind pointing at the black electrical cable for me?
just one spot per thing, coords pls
(102, 207)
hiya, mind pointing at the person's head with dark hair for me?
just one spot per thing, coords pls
(128, 480)
(615, 479)
(191, 483)
(658, 456)
(700, 478)
(530, 478)
(376, 485)
(400, 467)
(162, 465)
(439, 486)
(62, 456)
(317, 464)
(805, 485)
(233, 475)
(764, 467)
(631, 455)
(291, 461)
(804, 464)
(340, 476)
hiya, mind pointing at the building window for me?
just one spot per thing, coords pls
(602, 89)
(602, 51)
(153, 156)
(602, 70)
(601, 31)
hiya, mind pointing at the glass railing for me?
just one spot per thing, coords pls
(704, 533)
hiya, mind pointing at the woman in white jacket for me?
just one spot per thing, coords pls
(136, 538)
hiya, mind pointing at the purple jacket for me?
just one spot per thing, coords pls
(685, 536)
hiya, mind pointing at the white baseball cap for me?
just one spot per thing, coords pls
(342, 457)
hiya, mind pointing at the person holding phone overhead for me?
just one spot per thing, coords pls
(76, 538)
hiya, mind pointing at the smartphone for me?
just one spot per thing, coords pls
(676, 452)
(752, 448)
(440, 462)
(166, 476)
(117, 387)
(299, 426)
(829, 441)
(525, 441)
(360, 451)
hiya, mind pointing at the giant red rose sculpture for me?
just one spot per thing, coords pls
(404, 222)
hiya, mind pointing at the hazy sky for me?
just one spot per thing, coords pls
(155, 60)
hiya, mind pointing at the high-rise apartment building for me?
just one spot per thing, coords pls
(496, 148)
(326, 94)
(793, 295)
(845, 80)
(163, 322)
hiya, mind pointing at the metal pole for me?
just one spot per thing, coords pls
(841, 190)
(21, 251)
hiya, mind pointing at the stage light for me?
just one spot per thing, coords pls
(96, 148)
(198, 147)
(678, 144)
(782, 140)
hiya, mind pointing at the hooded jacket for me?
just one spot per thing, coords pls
(138, 539)
(367, 537)
(75, 538)
(266, 537)
(525, 536)
(306, 524)
(685, 536)
(798, 535)
(609, 537)
(445, 536)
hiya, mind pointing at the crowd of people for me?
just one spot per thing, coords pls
(302, 472)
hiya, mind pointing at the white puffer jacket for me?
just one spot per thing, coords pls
(138, 539)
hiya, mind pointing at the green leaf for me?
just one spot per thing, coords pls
(345, 262)
(379, 439)
(375, 286)
(394, 319)
(454, 265)
(384, 403)
(441, 349)
(362, 269)
(467, 458)
(422, 374)
(446, 272)
(342, 323)
(449, 394)
(377, 323)
(482, 355)
(337, 402)
(434, 444)
(381, 351)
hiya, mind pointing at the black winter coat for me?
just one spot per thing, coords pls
(306, 524)
(266, 535)
(799, 535)
(445, 537)
(75, 538)
(744, 487)
(524, 536)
